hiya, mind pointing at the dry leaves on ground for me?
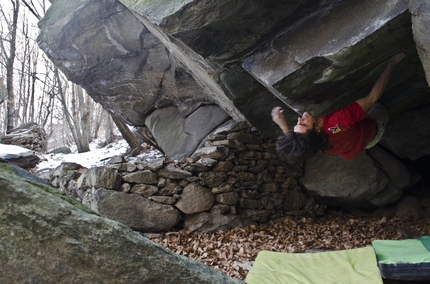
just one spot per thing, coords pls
(234, 251)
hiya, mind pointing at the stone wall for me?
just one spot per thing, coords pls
(28, 135)
(235, 179)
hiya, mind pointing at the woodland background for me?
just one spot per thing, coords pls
(32, 89)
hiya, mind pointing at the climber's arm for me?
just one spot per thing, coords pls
(380, 85)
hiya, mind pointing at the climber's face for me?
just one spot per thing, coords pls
(305, 123)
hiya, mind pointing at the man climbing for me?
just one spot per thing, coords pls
(345, 132)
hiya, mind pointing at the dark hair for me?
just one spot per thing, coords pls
(299, 146)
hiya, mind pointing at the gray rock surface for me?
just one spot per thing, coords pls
(195, 198)
(48, 237)
(193, 70)
(373, 179)
(100, 178)
(408, 134)
(147, 177)
(134, 210)
(420, 13)
(249, 57)
(328, 180)
(172, 172)
(180, 136)
(61, 150)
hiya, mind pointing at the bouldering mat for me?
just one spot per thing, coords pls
(343, 267)
(404, 259)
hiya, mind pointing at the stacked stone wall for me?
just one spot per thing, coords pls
(235, 179)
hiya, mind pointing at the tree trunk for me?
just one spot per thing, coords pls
(128, 135)
(99, 117)
(108, 128)
(9, 70)
(84, 114)
(66, 111)
(75, 118)
(3, 91)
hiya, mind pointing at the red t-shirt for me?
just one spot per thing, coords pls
(349, 131)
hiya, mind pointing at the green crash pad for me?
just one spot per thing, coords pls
(404, 259)
(343, 267)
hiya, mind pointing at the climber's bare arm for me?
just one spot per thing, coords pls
(279, 118)
(380, 85)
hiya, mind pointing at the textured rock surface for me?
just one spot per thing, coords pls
(195, 198)
(104, 177)
(408, 134)
(47, 238)
(243, 56)
(134, 210)
(180, 136)
(420, 12)
(328, 179)
(183, 68)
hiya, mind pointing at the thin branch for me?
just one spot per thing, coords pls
(32, 10)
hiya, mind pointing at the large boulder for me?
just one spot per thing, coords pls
(249, 56)
(371, 180)
(180, 69)
(47, 237)
(420, 13)
(416, 143)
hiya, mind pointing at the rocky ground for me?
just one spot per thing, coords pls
(234, 251)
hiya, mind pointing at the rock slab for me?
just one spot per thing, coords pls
(47, 237)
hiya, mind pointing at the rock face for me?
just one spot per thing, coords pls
(180, 69)
(371, 180)
(416, 143)
(48, 237)
(420, 12)
(135, 211)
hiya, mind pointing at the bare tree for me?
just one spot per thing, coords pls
(67, 115)
(9, 54)
(3, 90)
(33, 9)
(46, 97)
(85, 119)
(108, 126)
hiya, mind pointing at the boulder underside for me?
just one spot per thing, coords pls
(182, 68)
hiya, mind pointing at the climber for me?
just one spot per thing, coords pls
(345, 132)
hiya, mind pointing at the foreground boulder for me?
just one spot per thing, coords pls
(47, 237)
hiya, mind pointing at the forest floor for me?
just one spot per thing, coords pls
(233, 252)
